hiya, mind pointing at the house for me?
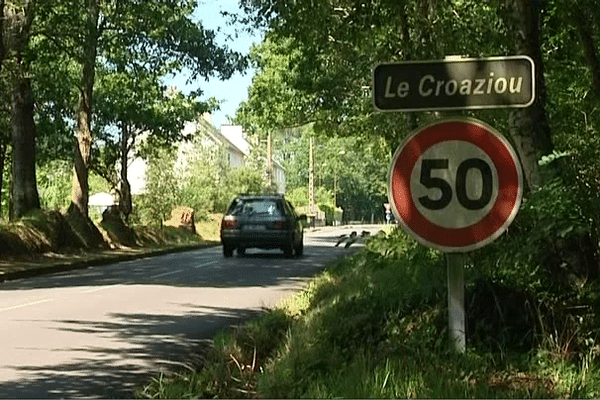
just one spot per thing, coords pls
(231, 137)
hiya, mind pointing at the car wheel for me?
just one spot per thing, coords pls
(227, 250)
(241, 251)
(300, 248)
(288, 250)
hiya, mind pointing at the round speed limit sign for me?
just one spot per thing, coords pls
(455, 185)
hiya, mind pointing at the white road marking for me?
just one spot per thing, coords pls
(207, 264)
(25, 305)
(166, 273)
(102, 288)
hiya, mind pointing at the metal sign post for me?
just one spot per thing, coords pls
(456, 302)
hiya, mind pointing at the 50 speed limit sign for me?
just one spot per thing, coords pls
(455, 185)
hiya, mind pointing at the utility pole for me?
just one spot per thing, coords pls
(335, 189)
(269, 161)
(311, 178)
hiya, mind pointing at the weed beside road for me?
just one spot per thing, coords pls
(375, 325)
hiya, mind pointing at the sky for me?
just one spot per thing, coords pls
(233, 91)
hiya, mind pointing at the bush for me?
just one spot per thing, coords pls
(375, 324)
(231, 366)
(549, 260)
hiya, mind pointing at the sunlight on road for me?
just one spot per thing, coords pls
(99, 331)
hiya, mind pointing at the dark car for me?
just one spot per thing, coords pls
(262, 221)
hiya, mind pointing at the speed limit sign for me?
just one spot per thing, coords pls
(455, 185)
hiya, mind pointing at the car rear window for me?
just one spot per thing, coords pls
(257, 207)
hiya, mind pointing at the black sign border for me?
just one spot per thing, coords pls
(458, 59)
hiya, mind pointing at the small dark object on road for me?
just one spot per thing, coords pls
(351, 239)
(341, 239)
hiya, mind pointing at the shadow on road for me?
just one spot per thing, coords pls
(114, 372)
(130, 342)
(194, 269)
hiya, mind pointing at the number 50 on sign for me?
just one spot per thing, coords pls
(455, 185)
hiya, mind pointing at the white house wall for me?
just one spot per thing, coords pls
(231, 136)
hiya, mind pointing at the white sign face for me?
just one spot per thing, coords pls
(455, 185)
(470, 200)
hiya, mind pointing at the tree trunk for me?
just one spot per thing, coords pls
(541, 132)
(2, 162)
(25, 193)
(586, 37)
(83, 148)
(125, 203)
(2, 144)
(529, 127)
(2, 48)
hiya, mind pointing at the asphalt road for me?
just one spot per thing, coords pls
(101, 331)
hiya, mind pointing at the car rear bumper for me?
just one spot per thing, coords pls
(264, 240)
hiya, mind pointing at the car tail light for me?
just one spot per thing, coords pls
(229, 223)
(281, 224)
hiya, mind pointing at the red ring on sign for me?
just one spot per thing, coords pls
(509, 181)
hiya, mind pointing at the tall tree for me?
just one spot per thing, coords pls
(586, 17)
(133, 105)
(132, 36)
(529, 127)
(3, 137)
(19, 17)
(83, 147)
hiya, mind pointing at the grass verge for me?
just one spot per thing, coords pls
(375, 325)
(45, 241)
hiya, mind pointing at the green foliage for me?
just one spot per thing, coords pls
(209, 182)
(161, 195)
(355, 168)
(319, 57)
(272, 102)
(241, 180)
(54, 184)
(201, 179)
(299, 197)
(552, 223)
(549, 259)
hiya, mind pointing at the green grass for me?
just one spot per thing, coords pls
(209, 227)
(375, 325)
(50, 231)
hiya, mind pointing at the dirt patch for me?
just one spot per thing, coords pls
(115, 230)
(42, 232)
(51, 241)
(87, 233)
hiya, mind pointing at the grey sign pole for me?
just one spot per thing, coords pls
(456, 302)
